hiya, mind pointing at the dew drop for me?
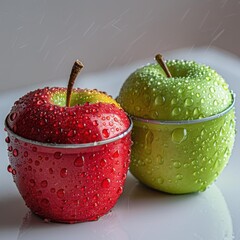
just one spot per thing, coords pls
(159, 100)
(15, 152)
(105, 133)
(10, 148)
(60, 193)
(34, 149)
(9, 168)
(160, 180)
(44, 184)
(14, 172)
(57, 155)
(25, 154)
(79, 161)
(32, 182)
(179, 135)
(177, 164)
(7, 140)
(120, 190)
(179, 176)
(103, 162)
(106, 183)
(176, 111)
(95, 123)
(195, 112)
(115, 154)
(188, 102)
(63, 172)
(13, 116)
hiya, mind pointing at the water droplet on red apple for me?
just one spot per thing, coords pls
(14, 172)
(79, 161)
(57, 155)
(115, 154)
(63, 172)
(13, 116)
(15, 152)
(105, 133)
(10, 148)
(52, 190)
(44, 184)
(9, 168)
(95, 123)
(34, 149)
(25, 154)
(45, 202)
(32, 182)
(120, 190)
(61, 193)
(106, 183)
(103, 162)
(7, 140)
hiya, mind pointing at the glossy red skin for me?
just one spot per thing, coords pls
(34, 117)
(68, 184)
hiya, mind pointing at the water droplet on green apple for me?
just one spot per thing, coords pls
(137, 108)
(195, 112)
(159, 100)
(179, 135)
(177, 164)
(179, 176)
(176, 111)
(188, 102)
(160, 180)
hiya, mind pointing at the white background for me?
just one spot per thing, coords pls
(39, 41)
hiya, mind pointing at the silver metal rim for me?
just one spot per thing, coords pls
(184, 122)
(72, 146)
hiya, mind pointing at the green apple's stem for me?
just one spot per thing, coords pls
(159, 59)
(77, 66)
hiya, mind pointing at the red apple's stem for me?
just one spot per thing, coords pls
(161, 62)
(77, 66)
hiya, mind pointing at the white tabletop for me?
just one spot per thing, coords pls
(140, 213)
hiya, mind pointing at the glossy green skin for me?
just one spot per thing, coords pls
(181, 158)
(200, 151)
(195, 91)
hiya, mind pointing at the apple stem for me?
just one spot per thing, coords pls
(77, 66)
(161, 62)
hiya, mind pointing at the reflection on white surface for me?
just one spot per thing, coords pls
(142, 213)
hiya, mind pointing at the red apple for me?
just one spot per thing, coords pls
(69, 151)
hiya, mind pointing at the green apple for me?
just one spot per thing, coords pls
(184, 124)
